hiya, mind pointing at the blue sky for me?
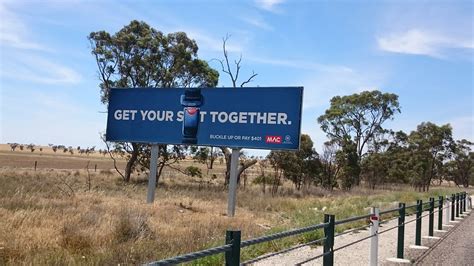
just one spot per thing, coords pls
(420, 50)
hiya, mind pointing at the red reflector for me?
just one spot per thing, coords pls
(374, 218)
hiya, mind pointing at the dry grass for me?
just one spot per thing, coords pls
(42, 223)
(50, 216)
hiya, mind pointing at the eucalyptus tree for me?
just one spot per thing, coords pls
(461, 168)
(353, 121)
(302, 167)
(140, 56)
(429, 147)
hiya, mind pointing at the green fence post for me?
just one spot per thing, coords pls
(465, 201)
(440, 213)
(431, 220)
(328, 259)
(457, 204)
(461, 200)
(453, 206)
(232, 257)
(419, 211)
(401, 230)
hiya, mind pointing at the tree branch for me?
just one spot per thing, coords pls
(250, 79)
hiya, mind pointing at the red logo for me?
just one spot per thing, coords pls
(191, 110)
(273, 139)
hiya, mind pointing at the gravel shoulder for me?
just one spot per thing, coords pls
(358, 254)
(456, 249)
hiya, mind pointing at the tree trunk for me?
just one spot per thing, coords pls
(131, 162)
(212, 158)
(227, 156)
(244, 167)
(158, 173)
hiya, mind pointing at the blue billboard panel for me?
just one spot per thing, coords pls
(255, 118)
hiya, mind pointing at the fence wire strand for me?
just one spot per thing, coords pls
(221, 249)
(352, 230)
(283, 251)
(353, 243)
(282, 234)
(314, 258)
(193, 256)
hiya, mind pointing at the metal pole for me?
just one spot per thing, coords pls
(440, 213)
(328, 259)
(419, 211)
(431, 218)
(374, 241)
(232, 257)
(401, 230)
(234, 163)
(152, 178)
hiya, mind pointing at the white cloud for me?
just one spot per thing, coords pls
(325, 81)
(269, 5)
(24, 59)
(37, 69)
(299, 64)
(422, 42)
(257, 22)
(14, 33)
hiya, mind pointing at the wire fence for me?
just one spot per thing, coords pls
(232, 249)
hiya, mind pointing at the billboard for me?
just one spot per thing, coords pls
(255, 118)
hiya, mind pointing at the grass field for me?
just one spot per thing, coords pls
(50, 216)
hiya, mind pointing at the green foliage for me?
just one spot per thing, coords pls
(348, 159)
(428, 147)
(358, 117)
(375, 168)
(302, 167)
(461, 168)
(356, 120)
(263, 179)
(193, 171)
(329, 167)
(141, 56)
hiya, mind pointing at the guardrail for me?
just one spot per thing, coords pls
(460, 202)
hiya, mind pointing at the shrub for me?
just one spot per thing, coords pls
(71, 238)
(193, 171)
(264, 179)
(131, 227)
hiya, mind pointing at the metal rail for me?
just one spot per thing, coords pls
(234, 244)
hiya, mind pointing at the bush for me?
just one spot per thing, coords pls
(193, 171)
(264, 179)
(71, 238)
(132, 227)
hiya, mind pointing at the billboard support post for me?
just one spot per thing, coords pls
(152, 178)
(234, 163)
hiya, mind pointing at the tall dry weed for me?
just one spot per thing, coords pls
(131, 226)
